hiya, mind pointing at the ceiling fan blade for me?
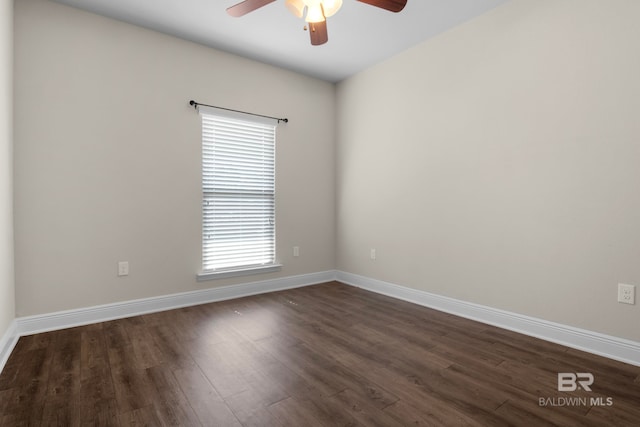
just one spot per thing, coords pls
(318, 33)
(390, 5)
(247, 6)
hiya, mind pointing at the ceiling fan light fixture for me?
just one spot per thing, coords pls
(296, 7)
(331, 7)
(315, 13)
(317, 10)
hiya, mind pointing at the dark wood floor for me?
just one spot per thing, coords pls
(326, 355)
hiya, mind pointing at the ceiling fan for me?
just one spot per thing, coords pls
(317, 12)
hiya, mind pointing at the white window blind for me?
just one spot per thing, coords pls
(238, 186)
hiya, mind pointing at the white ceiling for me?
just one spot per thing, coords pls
(360, 35)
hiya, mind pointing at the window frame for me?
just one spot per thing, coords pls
(236, 119)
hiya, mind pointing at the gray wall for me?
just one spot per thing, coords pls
(107, 158)
(7, 300)
(499, 163)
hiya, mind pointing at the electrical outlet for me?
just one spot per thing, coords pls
(626, 293)
(123, 268)
(296, 251)
(373, 254)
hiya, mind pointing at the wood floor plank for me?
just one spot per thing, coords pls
(64, 379)
(7, 401)
(379, 396)
(146, 416)
(170, 347)
(132, 390)
(530, 414)
(246, 405)
(27, 364)
(304, 412)
(624, 414)
(186, 324)
(404, 349)
(170, 402)
(258, 374)
(57, 412)
(94, 355)
(464, 393)
(314, 368)
(427, 414)
(209, 407)
(262, 418)
(8, 379)
(322, 355)
(30, 385)
(362, 410)
(457, 352)
(223, 372)
(98, 405)
(146, 352)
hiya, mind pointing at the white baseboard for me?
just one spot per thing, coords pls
(7, 343)
(592, 342)
(84, 316)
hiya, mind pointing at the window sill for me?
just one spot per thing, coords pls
(223, 274)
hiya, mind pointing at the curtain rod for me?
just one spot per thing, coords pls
(195, 105)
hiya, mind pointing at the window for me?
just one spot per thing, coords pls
(238, 189)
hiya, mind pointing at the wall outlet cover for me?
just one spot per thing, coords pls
(626, 293)
(123, 268)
